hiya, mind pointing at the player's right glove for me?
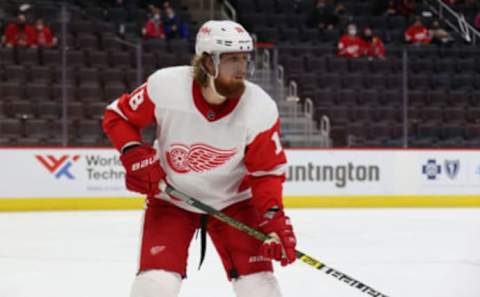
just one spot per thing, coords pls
(282, 242)
(143, 170)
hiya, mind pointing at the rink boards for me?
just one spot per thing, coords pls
(80, 178)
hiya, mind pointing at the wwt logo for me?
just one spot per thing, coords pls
(58, 166)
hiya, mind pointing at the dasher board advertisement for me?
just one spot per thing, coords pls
(62, 173)
(83, 178)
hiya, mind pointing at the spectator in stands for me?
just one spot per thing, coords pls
(340, 10)
(154, 26)
(391, 9)
(43, 35)
(324, 16)
(174, 27)
(27, 10)
(19, 33)
(350, 45)
(417, 33)
(373, 46)
(439, 35)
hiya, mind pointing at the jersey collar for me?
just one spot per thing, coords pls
(212, 112)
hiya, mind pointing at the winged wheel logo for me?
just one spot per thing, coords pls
(198, 157)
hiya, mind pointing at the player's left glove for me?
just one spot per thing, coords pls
(281, 246)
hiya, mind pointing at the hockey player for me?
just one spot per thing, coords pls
(218, 141)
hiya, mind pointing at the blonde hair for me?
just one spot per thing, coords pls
(200, 74)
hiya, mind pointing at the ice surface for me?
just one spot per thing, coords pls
(401, 252)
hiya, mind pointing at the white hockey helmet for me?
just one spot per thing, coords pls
(218, 37)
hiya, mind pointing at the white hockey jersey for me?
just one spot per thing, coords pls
(218, 154)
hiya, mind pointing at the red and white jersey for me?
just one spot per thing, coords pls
(218, 154)
(350, 46)
(374, 47)
(418, 34)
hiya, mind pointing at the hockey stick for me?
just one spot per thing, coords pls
(262, 237)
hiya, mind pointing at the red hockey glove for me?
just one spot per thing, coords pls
(281, 246)
(143, 171)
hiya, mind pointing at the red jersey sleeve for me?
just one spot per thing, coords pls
(150, 29)
(265, 160)
(379, 48)
(47, 33)
(427, 38)
(10, 34)
(375, 48)
(409, 34)
(153, 30)
(126, 116)
(31, 38)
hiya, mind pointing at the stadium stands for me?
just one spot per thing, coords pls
(100, 68)
(363, 98)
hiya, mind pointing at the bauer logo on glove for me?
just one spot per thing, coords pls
(144, 163)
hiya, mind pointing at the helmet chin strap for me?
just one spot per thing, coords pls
(216, 63)
(211, 81)
(211, 78)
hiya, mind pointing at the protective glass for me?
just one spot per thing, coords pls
(236, 64)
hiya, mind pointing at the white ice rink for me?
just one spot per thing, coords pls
(401, 252)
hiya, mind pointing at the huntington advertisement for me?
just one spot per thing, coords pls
(329, 172)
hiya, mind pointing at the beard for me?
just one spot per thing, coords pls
(229, 89)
